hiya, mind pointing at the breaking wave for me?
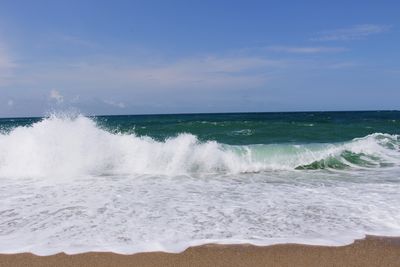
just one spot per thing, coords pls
(73, 146)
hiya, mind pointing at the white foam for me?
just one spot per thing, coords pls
(64, 147)
(66, 185)
(162, 213)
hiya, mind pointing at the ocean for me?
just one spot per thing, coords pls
(126, 184)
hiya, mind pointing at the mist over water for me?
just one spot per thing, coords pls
(131, 184)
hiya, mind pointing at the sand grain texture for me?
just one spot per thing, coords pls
(372, 251)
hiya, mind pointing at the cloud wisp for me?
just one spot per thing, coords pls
(75, 40)
(305, 49)
(114, 103)
(7, 65)
(56, 96)
(205, 72)
(355, 32)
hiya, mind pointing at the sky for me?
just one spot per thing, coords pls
(152, 57)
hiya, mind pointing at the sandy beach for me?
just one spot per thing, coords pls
(372, 251)
(199, 133)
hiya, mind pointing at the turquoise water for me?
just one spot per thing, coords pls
(249, 128)
(127, 184)
(261, 128)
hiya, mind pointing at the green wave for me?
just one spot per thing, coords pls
(351, 158)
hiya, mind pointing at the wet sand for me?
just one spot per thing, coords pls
(372, 251)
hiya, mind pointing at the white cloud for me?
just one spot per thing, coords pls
(305, 49)
(5, 59)
(188, 73)
(342, 65)
(7, 65)
(75, 40)
(10, 103)
(204, 72)
(114, 104)
(355, 32)
(56, 96)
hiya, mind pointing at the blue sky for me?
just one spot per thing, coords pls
(134, 57)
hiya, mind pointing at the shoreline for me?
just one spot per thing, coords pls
(371, 251)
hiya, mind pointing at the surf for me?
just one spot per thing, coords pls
(61, 146)
(75, 184)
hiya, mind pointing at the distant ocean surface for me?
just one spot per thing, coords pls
(127, 184)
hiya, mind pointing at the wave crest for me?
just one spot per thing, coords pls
(73, 146)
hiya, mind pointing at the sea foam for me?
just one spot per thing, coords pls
(61, 146)
(67, 185)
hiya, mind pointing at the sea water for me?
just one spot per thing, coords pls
(127, 184)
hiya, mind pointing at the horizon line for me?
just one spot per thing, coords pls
(210, 113)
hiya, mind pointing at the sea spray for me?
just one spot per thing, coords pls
(62, 146)
(76, 184)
